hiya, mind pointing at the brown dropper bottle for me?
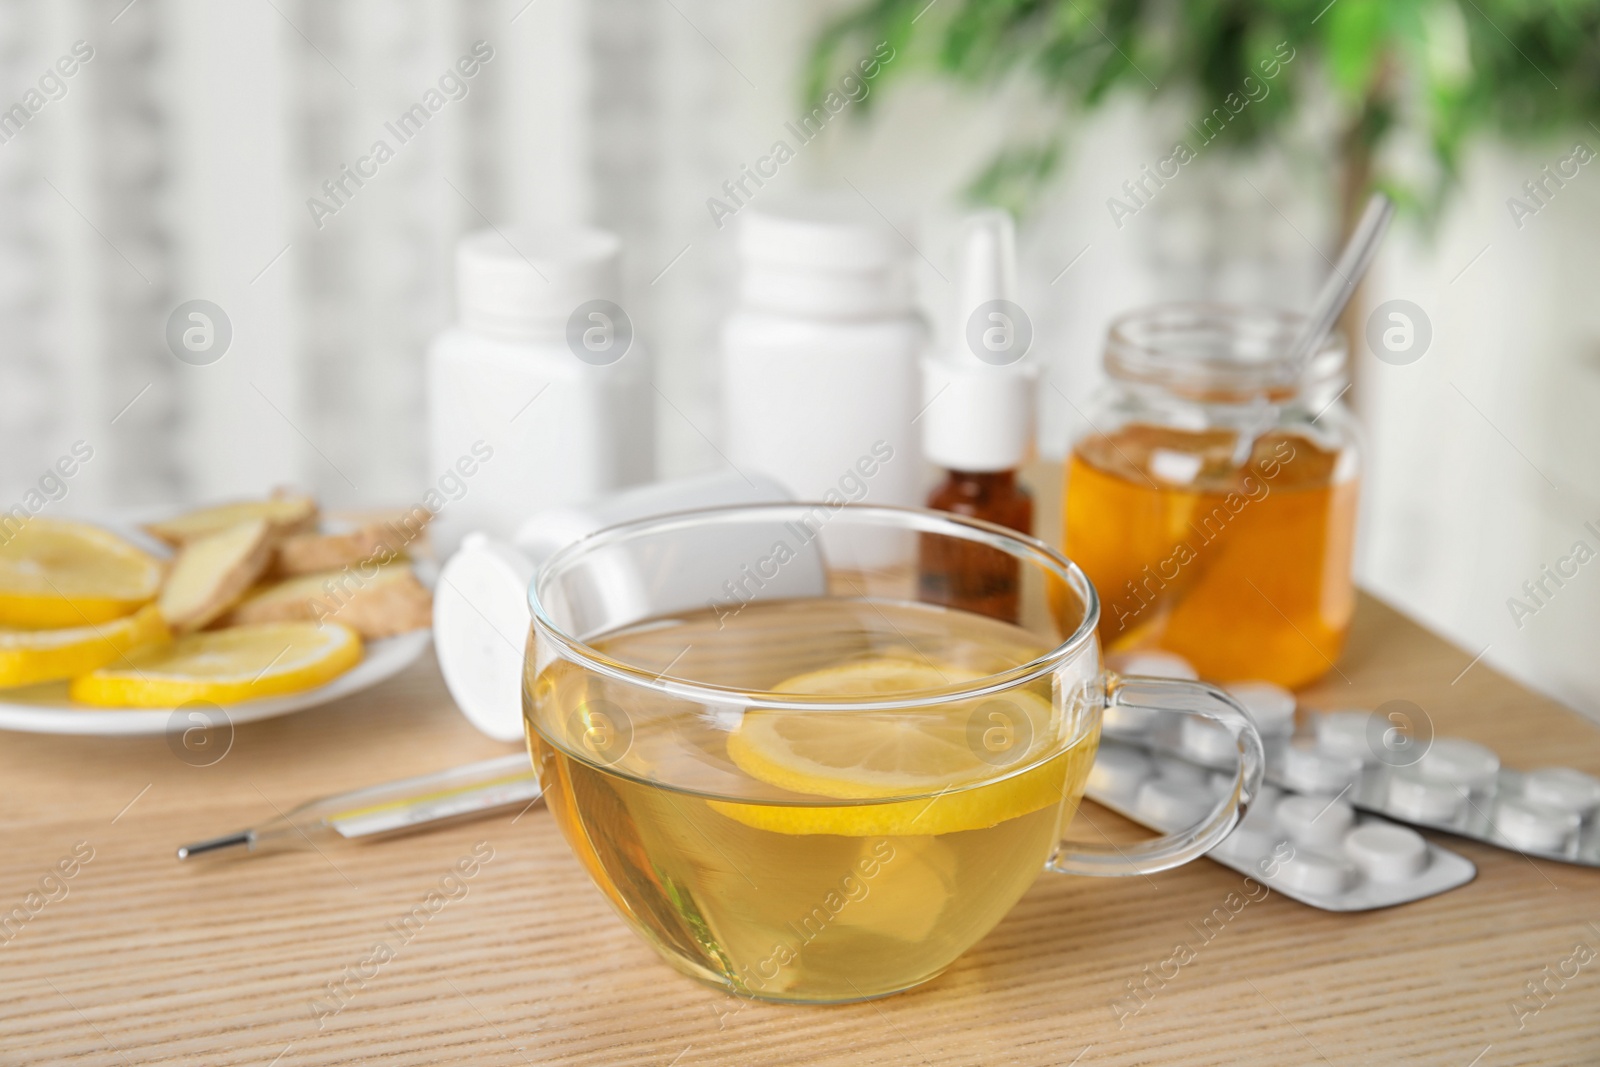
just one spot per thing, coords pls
(970, 576)
(978, 427)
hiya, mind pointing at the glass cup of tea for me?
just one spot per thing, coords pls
(798, 781)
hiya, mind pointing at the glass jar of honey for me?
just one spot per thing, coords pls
(1212, 496)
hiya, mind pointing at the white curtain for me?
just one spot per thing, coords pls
(176, 165)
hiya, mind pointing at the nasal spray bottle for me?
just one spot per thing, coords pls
(978, 424)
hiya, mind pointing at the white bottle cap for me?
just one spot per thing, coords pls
(827, 255)
(553, 529)
(480, 609)
(525, 283)
(480, 625)
(977, 418)
(822, 230)
(978, 405)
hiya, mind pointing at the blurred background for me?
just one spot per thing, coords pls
(178, 161)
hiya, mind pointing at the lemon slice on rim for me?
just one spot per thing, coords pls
(59, 574)
(226, 666)
(28, 657)
(952, 759)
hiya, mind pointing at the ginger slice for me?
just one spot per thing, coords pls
(285, 513)
(212, 573)
(376, 602)
(380, 542)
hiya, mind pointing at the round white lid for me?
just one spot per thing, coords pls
(526, 282)
(834, 231)
(480, 624)
(812, 292)
(480, 609)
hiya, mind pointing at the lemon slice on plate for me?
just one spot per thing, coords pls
(59, 574)
(226, 666)
(942, 757)
(28, 657)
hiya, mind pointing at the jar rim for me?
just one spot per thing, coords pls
(1219, 352)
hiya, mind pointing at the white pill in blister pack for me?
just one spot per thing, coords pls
(1121, 719)
(1345, 733)
(1152, 663)
(1315, 872)
(1459, 762)
(1308, 768)
(1169, 802)
(1256, 833)
(1452, 784)
(1118, 770)
(1315, 821)
(1187, 773)
(1314, 849)
(1526, 825)
(1387, 853)
(1271, 707)
(1207, 742)
(1564, 789)
(1412, 797)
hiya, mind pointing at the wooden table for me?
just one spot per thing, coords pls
(144, 961)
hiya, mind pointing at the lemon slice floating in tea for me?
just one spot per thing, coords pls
(28, 657)
(226, 666)
(59, 574)
(938, 756)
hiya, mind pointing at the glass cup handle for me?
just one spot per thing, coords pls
(1171, 850)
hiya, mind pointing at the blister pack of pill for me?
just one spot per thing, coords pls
(1446, 783)
(1316, 850)
(1379, 766)
(1164, 770)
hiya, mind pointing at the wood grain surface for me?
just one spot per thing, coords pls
(136, 959)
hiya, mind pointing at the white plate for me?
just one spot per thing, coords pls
(46, 709)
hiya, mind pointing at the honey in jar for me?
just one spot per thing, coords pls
(1212, 500)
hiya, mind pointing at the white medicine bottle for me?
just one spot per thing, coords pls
(820, 360)
(539, 396)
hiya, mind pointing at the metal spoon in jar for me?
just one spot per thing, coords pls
(1354, 260)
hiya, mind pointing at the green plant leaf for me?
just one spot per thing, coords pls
(1443, 72)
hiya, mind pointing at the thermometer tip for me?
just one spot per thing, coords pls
(215, 843)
